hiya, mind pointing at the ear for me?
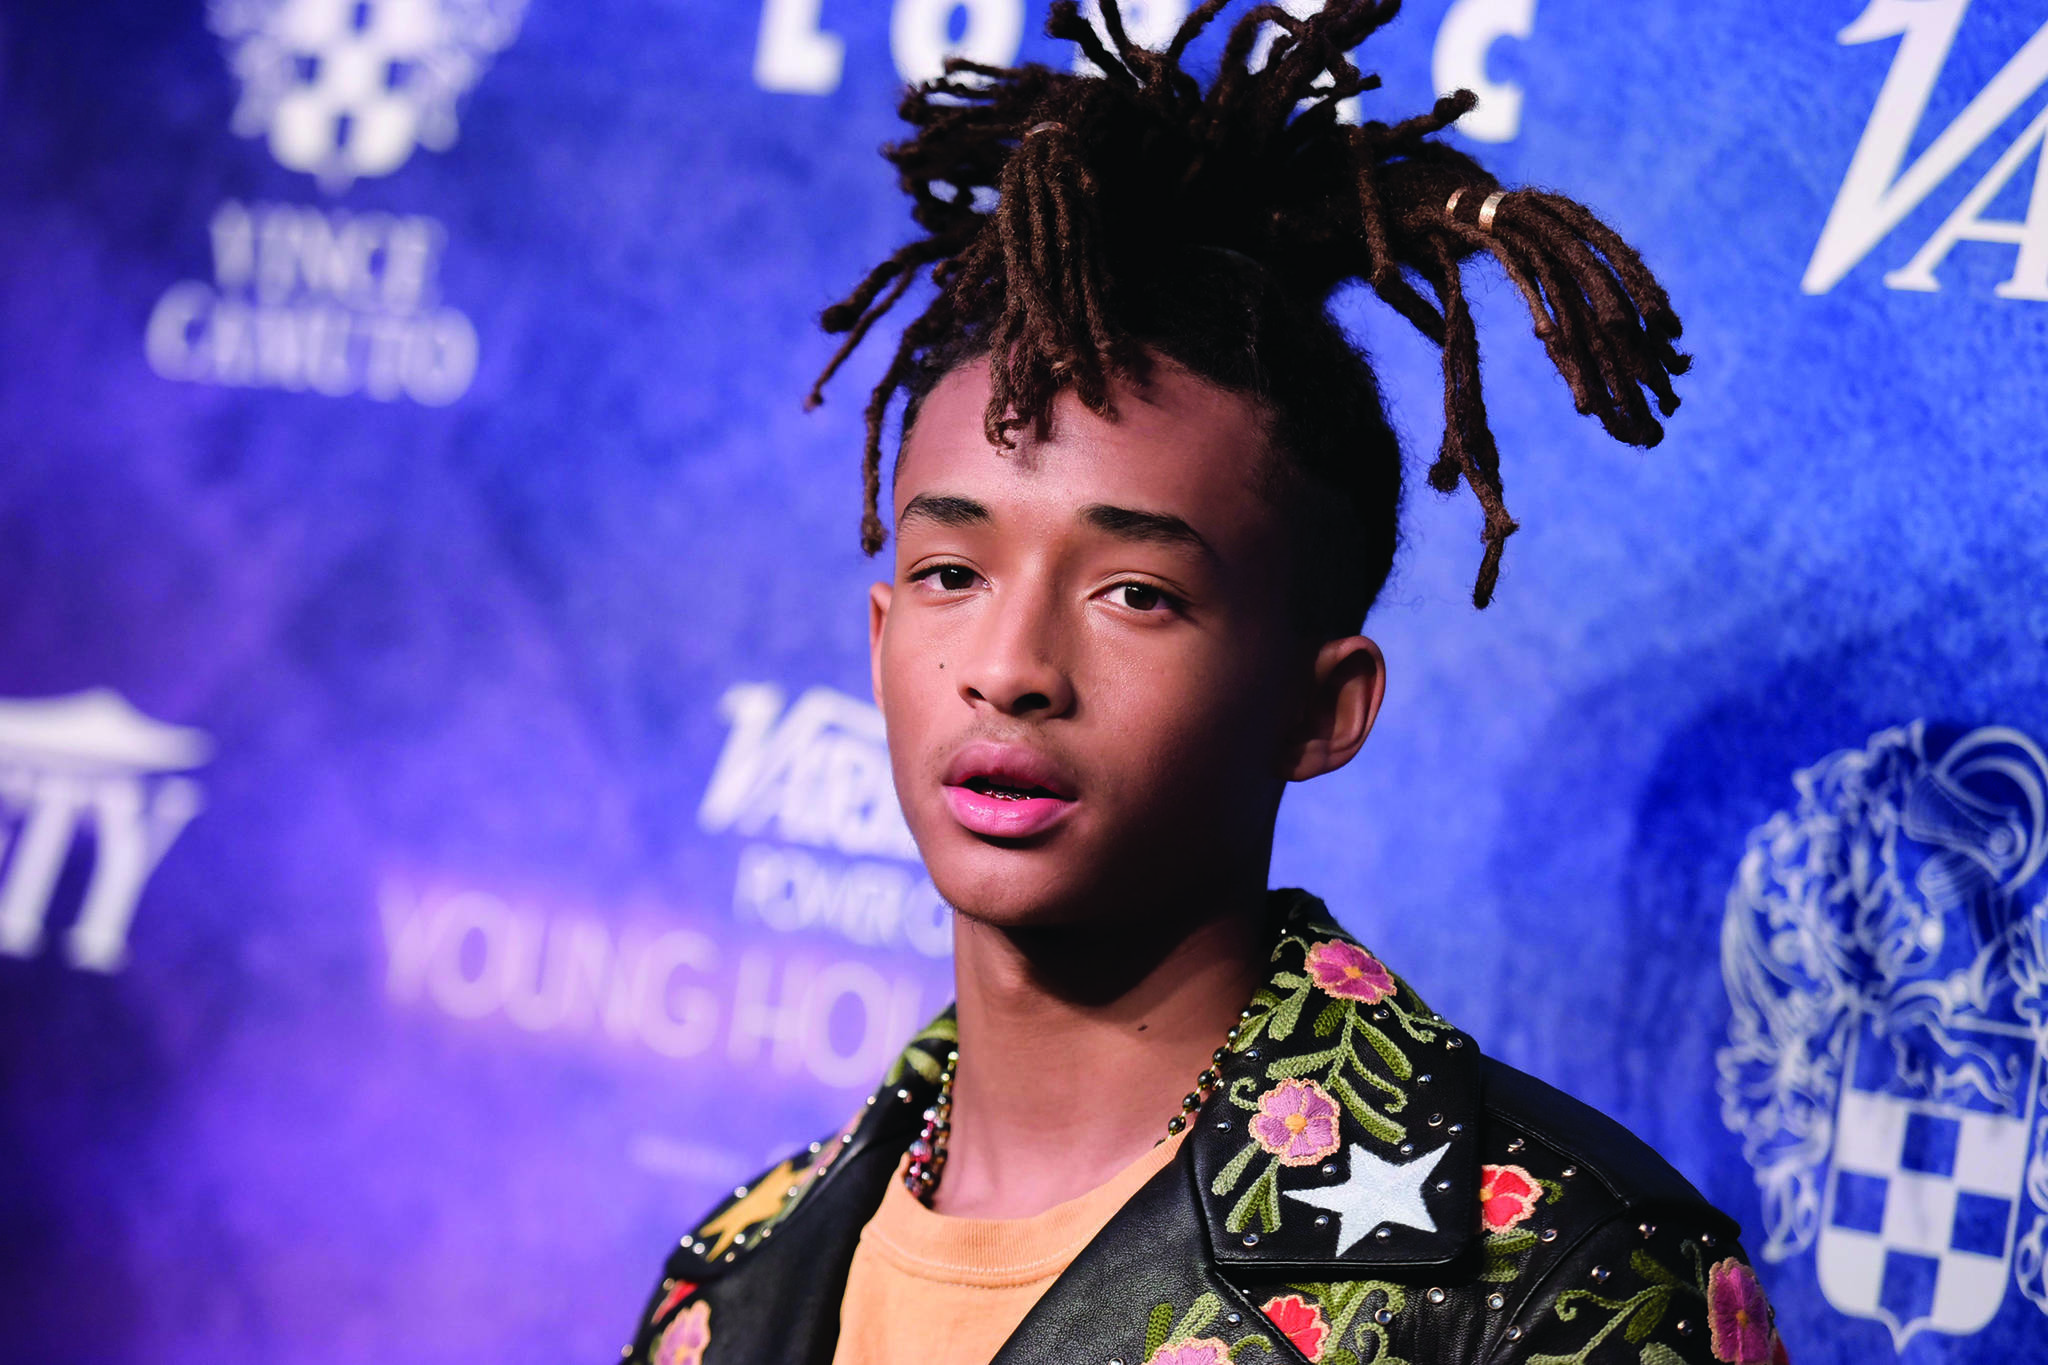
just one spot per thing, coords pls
(1350, 682)
(878, 616)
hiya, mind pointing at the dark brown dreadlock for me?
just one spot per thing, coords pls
(1134, 212)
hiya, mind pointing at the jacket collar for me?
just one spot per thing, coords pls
(1342, 1133)
(1344, 1130)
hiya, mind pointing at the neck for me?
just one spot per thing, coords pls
(1077, 1046)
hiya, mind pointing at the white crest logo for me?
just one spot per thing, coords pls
(348, 88)
(1880, 188)
(89, 762)
(1885, 949)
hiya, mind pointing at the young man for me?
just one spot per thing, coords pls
(1145, 496)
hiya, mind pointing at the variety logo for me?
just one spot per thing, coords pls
(87, 766)
(1881, 188)
(1885, 950)
(348, 88)
(815, 776)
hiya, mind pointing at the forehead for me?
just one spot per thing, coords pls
(1177, 445)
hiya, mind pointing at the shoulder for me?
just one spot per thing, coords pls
(1596, 1249)
(1528, 1122)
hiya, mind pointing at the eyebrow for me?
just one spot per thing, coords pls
(945, 509)
(1158, 528)
(1125, 523)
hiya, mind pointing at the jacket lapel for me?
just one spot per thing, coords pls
(1342, 1136)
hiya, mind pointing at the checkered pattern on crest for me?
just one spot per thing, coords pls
(351, 111)
(1921, 1204)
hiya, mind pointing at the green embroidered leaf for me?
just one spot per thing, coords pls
(1551, 1188)
(1374, 1122)
(1338, 1297)
(943, 1030)
(1303, 1064)
(1657, 1353)
(1247, 1343)
(1510, 1243)
(1248, 1031)
(1396, 1060)
(1156, 1329)
(1227, 1178)
(1287, 1015)
(1648, 1308)
(1262, 1198)
(1289, 979)
(1397, 1096)
(1647, 1266)
(1339, 1356)
(1200, 1314)
(1327, 1021)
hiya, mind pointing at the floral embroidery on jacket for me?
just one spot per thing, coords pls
(1352, 1316)
(678, 1290)
(1168, 1342)
(1300, 1321)
(687, 1338)
(1296, 1122)
(1349, 971)
(1738, 1315)
(1507, 1196)
(1360, 1071)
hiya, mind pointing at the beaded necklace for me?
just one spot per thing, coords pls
(928, 1152)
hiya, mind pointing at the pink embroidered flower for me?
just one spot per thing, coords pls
(687, 1338)
(1350, 971)
(1739, 1315)
(1193, 1351)
(1300, 1321)
(1507, 1196)
(1297, 1122)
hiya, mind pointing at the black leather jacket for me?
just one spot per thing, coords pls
(1362, 1188)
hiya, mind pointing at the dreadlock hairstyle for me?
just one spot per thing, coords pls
(1077, 224)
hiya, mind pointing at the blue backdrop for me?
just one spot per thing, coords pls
(443, 836)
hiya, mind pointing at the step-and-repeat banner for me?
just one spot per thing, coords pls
(444, 835)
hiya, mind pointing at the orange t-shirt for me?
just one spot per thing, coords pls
(949, 1291)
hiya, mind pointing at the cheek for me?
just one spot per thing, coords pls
(916, 683)
(1205, 716)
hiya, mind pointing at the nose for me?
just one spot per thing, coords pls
(1016, 660)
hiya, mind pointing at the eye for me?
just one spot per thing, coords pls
(948, 577)
(1140, 596)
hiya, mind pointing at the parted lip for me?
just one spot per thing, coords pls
(1017, 766)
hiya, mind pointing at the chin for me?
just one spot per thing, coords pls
(1013, 887)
